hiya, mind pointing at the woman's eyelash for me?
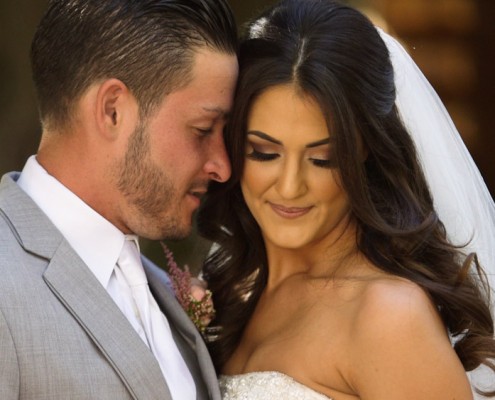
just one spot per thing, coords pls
(259, 156)
(323, 163)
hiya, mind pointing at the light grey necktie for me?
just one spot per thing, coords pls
(156, 327)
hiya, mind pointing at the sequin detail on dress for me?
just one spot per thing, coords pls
(268, 385)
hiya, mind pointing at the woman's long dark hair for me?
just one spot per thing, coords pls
(334, 54)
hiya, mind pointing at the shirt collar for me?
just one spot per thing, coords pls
(97, 241)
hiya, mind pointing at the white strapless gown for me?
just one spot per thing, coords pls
(268, 385)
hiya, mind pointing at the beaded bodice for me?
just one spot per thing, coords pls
(268, 385)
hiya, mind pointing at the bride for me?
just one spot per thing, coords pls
(339, 272)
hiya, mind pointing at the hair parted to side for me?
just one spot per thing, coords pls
(335, 55)
(147, 44)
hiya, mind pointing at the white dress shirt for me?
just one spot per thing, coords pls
(97, 241)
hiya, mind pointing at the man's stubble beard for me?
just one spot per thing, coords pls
(150, 193)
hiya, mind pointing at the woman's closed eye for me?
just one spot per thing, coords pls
(323, 156)
(323, 162)
(259, 154)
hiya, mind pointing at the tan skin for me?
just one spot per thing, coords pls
(76, 154)
(183, 149)
(328, 317)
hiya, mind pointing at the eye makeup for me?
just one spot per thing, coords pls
(262, 147)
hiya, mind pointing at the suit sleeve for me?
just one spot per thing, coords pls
(9, 367)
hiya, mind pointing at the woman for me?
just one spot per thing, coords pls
(334, 276)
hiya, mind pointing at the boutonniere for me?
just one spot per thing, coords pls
(191, 293)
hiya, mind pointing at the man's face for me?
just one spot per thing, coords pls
(173, 155)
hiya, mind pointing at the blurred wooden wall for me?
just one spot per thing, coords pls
(19, 127)
(453, 42)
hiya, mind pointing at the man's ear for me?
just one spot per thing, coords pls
(116, 108)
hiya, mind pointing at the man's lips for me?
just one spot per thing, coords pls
(198, 190)
(196, 195)
(289, 212)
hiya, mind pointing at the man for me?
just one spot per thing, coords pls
(133, 97)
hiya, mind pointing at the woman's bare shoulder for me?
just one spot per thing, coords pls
(395, 306)
(399, 346)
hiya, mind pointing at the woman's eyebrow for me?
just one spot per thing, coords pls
(264, 136)
(319, 142)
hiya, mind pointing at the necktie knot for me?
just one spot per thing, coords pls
(130, 263)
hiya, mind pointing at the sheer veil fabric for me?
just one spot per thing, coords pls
(460, 195)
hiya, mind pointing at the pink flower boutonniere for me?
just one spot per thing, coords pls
(191, 293)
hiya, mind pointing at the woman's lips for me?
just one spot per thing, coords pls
(289, 212)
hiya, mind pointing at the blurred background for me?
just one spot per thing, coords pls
(452, 41)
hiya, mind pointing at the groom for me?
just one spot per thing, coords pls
(133, 97)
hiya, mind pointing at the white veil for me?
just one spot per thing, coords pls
(460, 195)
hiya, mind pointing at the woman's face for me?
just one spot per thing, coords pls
(290, 182)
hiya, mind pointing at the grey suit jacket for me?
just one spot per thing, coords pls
(61, 335)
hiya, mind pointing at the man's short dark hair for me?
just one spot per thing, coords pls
(147, 44)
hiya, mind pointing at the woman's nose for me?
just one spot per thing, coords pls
(291, 183)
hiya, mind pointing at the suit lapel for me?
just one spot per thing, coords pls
(160, 286)
(77, 288)
(89, 303)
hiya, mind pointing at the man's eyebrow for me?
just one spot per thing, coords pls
(218, 110)
(264, 136)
